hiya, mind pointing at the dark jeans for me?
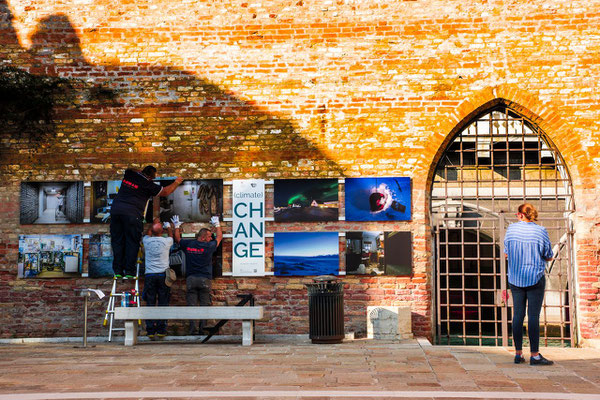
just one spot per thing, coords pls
(532, 297)
(198, 294)
(155, 290)
(125, 236)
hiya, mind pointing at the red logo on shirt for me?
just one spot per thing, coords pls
(130, 184)
(193, 250)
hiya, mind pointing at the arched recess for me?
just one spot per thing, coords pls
(495, 159)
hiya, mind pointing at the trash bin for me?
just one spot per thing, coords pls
(326, 310)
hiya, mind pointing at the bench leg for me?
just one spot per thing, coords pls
(247, 333)
(131, 333)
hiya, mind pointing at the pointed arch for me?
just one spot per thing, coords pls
(539, 113)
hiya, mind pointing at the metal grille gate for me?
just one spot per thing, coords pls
(497, 162)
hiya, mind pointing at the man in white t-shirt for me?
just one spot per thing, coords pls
(156, 250)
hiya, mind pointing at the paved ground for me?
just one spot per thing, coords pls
(290, 368)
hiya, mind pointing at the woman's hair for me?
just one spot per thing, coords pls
(528, 211)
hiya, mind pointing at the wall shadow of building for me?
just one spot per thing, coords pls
(124, 114)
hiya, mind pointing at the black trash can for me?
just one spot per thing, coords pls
(326, 310)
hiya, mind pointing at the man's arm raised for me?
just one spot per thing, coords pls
(167, 190)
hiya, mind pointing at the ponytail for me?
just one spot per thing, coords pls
(528, 211)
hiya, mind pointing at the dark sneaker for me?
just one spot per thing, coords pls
(540, 361)
(519, 359)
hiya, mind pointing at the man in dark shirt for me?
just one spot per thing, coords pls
(198, 267)
(127, 216)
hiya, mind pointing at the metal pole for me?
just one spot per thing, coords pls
(85, 317)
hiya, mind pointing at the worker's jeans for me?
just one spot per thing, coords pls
(125, 236)
(531, 297)
(155, 289)
(198, 294)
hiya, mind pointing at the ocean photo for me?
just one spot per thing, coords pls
(306, 253)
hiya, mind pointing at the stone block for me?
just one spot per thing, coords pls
(389, 322)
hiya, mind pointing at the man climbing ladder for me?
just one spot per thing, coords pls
(127, 217)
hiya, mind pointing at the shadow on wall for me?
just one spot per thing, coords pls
(171, 110)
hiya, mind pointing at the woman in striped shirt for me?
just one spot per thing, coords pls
(527, 248)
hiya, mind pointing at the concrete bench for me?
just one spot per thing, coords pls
(131, 315)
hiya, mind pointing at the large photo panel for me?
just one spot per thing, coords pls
(52, 203)
(305, 200)
(193, 200)
(50, 256)
(306, 253)
(378, 199)
(379, 253)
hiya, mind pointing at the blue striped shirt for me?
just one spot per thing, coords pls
(528, 246)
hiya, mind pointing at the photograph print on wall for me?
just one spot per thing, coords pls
(378, 199)
(193, 200)
(379, 253)
(51, 203)
(100, 256)
(50, 256)
(304, 200)
(306, 253)
(103, 194)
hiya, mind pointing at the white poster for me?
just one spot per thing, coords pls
(249, 227)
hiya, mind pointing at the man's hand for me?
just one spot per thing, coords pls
(178, 180)
(215, 221)
(166, 225)
(176, 222)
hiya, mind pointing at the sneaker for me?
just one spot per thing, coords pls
(519, 359)
(161, 336)
(540, 361)
(117, 276)
(129, 277)
(151, 337)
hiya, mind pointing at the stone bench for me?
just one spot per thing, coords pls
(131, 315)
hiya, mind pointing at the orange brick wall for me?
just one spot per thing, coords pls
(277, 89)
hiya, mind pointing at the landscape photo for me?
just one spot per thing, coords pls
(50, 256)
(52, 203)
(379, 253)
(378, 199)
(306, 200)
(100, 258)
(193, 200)
(306, 253)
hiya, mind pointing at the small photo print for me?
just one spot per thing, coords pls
(378, 199)
(192, 201)
(306, 253)
(52, 203)
(50, 256)
(100, 256)
(305, 200)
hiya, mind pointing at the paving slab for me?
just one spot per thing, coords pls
(291, 368)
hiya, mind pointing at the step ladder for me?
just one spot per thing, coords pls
(117, 298)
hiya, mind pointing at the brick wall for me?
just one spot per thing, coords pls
(279, 89)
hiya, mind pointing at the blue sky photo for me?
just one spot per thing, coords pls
(306, 253)
(378, 199)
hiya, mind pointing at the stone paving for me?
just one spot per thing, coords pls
(290, 366)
